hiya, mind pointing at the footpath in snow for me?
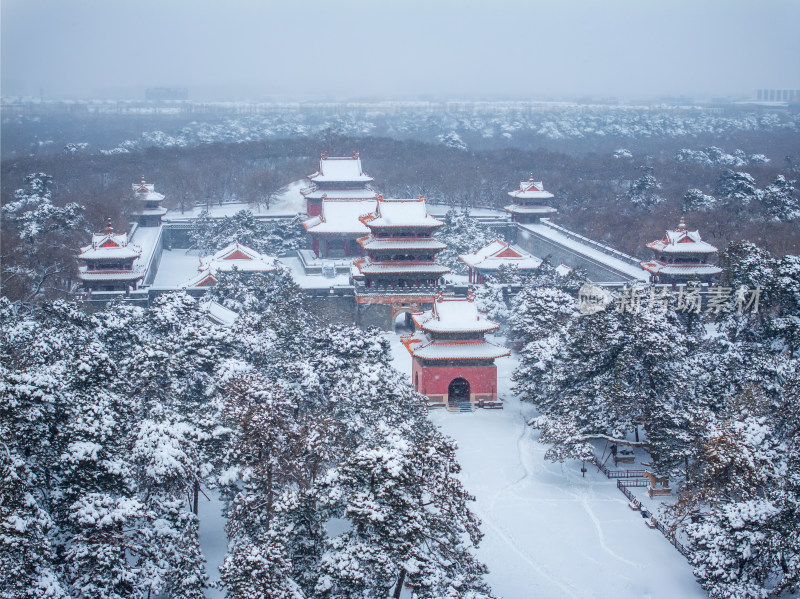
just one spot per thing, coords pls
(550, 533)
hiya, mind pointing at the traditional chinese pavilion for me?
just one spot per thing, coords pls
(108, 263)
(530, 202)
(489, 259)
(400, 249)
(233, 257)
(338, 178)
(681, 256)
(148, 209)
(452, 363)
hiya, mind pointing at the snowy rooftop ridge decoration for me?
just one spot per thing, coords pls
(530, 189)
(499, 253)
(109, 246)
(144, 191)
(401, 213)
(454, 315)
(681, 240)
(340, 169)
(240, 257)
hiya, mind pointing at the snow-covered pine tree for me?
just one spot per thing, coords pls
(45, 266)
(780, 200)
(166, 455)
(408, 520)
(100, 556)
(26, 555)
(695, 200)
(463, 235)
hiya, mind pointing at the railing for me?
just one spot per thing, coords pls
(623, 485)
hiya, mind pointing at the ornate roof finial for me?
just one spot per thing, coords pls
(682, 225)
(109, 228)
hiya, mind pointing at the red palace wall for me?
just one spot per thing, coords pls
(313, 208)
(434, 381)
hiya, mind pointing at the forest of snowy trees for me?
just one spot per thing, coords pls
(114, 423)
(713, 397)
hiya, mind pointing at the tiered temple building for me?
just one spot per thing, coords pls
(452, 363)
(339, 194)
(108, 262)
(681, 256)
(530, 202)
(147, 204)
(400, 265)
(400, 249)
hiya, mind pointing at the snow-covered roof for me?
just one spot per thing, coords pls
(109, 275)
(240, 257)
(499, 253)
(681, 270)
(454, 315)
(145, 192)
(340, 169)
(529, 190)
(341, 216)
(682, 241)
(205, 278)
(359, 193)
(109, 246)
(150, 212)
(219, 314)
(401, 213)
(367, 267)
(529, 209)
(401, 243)
(458, 350)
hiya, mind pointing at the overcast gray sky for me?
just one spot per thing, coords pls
(314, 49)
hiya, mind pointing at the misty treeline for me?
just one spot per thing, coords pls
(116, 424)
(626, 198)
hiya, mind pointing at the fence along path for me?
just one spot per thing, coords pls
(635, 478)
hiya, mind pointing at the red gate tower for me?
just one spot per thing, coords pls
(148, 209)
(400, 249)
(108, 262)
(530, 202)
(453, 364)
(400, 264)
(681, 256)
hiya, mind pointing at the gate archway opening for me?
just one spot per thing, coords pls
(458, 391)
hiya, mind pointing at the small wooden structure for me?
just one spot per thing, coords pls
(653, 489)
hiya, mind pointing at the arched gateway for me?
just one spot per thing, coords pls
(453, 364)
(458, 391)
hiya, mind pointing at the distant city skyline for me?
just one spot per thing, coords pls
(314, 50)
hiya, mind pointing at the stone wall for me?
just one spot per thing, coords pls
(558, 254)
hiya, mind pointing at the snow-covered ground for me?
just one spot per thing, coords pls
(213, 540)
(550, 532)
(176, 268)
(287, 202)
